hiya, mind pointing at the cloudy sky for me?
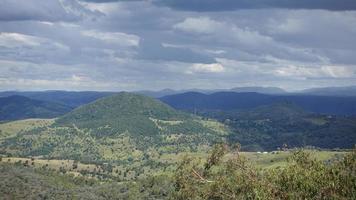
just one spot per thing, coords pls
(179, 44)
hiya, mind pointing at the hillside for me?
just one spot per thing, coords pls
(333, 105)
(19, 107)
(121, 128)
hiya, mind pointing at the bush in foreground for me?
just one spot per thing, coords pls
(303, 178)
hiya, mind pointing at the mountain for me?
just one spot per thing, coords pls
(332, 91)
(122, 112)
(120, 128)
(333, 105)
(70, 98)
(19, 107)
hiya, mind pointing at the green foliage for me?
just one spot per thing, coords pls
(303, 178)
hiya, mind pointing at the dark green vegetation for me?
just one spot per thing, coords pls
(124, 128)
(19, 107)
(272, 126)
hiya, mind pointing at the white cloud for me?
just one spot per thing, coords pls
(198, 25)
(225, 33)
(15, 40)
(206, 68)
(117, 38)
(12, 40)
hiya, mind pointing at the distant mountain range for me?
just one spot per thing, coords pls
(333, 105)
(332, 100)
(327, 91)
(165, 92)
(19, 107)
(331, 91)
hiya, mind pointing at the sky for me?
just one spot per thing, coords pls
(114, 45)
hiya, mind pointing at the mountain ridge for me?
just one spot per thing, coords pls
(333, 105)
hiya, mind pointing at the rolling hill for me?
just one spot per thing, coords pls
(122, 128)
(19, 107)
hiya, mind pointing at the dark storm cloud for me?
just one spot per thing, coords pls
(228, 5)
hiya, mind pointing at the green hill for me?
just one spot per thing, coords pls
(19, 107)
(122, 112)
(121, 128)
